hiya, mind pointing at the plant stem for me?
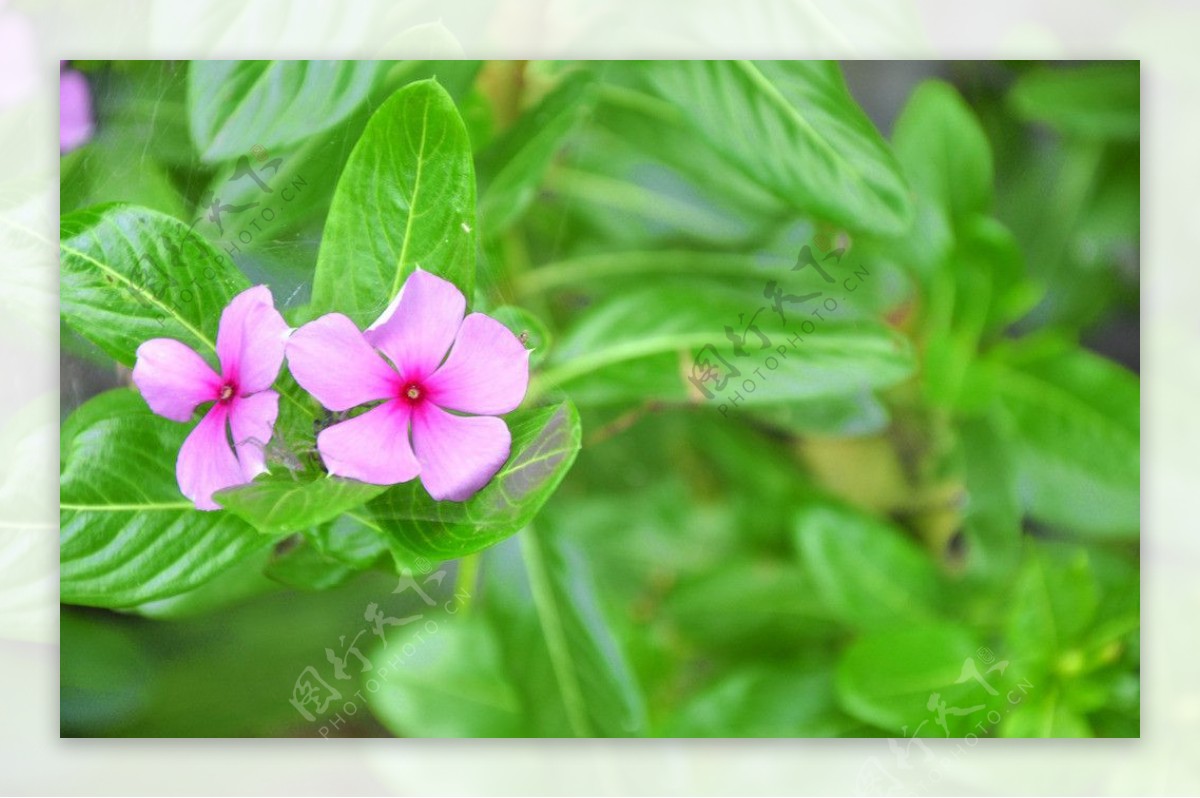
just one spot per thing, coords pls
(556, 637)
(466, 582)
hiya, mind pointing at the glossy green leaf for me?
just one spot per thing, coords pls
(944, 151)
(1097, 101)
(794, 127)
(128, 535)
(544, 444)
(129, 275)
(513, 167)
(285, 502)
(890, 679)
(406, 199)
(1076, 420)
(654, 343)
(235, 107)
(866, 572)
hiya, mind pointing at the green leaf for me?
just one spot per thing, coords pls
(777, 609)
(128, 536)
(944, 151)
(1044, 715)
(1053, 602)
(889, 678)
(765, 700)
(866, 572)
(513, 167)
(793, 127)
(649, 343)
(544, 444)
(236, 106)
(452, 682)
(276, 503)
(992, 523)
(1099, 101)
(129, 275)
(406, 199)
(1075, 416)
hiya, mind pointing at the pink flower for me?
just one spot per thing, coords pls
(175, 380)
(423, 390)
(75, 120)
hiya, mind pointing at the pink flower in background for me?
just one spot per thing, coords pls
(422, 388)
(75, 121)
(174, 380)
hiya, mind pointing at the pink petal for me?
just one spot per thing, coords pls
(332, 360)
(206, 463)
(487, 371)
(372, 447)
(416, 331)
(251, 421)
(250, 340)
(173, 379)
(458, 454)
(75, 121)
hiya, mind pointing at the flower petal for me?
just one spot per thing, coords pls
(332, 360)
(372, 447)
(206, 463)
(173, 379)
(75, 120)
(417, 329)
(458, 454)
(487, 371)
(250, 340)
(251, 421)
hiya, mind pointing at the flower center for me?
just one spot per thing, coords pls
(226, 393)
(413, 392)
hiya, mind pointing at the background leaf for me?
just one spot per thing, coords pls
(838, 168)
(1093, 101)
(235, 106)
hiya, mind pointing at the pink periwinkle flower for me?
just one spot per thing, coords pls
(438, 366)
(175, 380)
(75, 121)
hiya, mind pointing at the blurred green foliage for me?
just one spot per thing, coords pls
(922, 520)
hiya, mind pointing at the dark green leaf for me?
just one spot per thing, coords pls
(406, 199)
(544, 444)
(236, 106)
(794, 127)
(128, 536)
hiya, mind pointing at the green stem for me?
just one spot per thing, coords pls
(466, 583)
(556, 637)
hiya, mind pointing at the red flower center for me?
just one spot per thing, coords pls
(227, 392)
(412, 392)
